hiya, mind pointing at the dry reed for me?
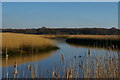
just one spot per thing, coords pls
(13, 40)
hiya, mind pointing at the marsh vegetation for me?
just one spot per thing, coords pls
(67, 62)
(15, 44)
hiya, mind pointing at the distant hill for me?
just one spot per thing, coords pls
(67, 31)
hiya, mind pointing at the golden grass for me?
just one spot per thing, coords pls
(96, 36)
(83, 36)
(13, 40)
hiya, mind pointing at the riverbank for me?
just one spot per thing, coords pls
(95, 42)
(112, 37)
(14, 44)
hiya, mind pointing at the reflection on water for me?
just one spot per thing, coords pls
(26, 58)
(78, 62)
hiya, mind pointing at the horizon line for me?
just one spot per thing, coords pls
(62, 28)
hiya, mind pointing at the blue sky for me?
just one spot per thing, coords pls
(59, 14)
(0, 15)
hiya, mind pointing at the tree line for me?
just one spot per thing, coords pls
(66, 31)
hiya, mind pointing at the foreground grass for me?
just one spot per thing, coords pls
(105, 66)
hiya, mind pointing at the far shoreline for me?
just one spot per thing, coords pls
(65, 31)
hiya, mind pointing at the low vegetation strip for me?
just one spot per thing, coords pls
(106, 43)
(112, 37)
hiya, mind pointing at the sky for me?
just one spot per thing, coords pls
(60, 0)
(59, 14)
(0, 15)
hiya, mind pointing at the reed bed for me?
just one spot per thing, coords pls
(97, 67)
(23, 43)
(14, 40)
